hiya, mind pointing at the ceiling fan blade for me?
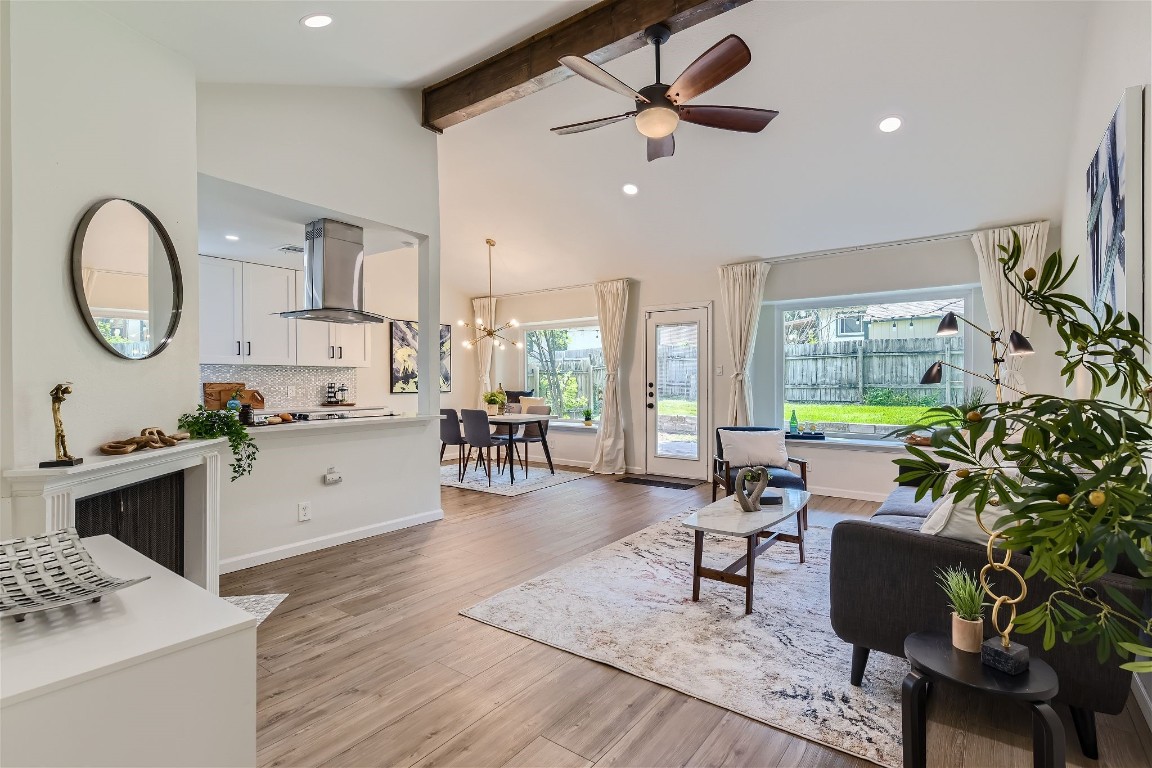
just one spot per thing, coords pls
(590, 71)
(590, 124)
(664, 147)
(744, 119)
(714, 66)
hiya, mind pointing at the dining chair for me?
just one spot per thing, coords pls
(450, 435)
(478, 435)
(534, 432)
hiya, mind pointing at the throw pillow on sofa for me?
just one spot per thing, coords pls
(753, 449)
(957, 520)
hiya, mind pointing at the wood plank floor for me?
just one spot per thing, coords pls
(367, 662)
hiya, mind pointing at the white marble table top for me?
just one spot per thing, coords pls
(726, 518)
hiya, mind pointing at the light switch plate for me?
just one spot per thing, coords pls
(719, 370)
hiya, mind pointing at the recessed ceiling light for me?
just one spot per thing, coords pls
(231, 237)
(630, 189)
(890, 124)
(316, 20)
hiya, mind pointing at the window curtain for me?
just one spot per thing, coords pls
(485, 310)
(612, 310)
(742, 291)
(1006, 310)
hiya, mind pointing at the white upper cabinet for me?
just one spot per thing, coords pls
(353, 345)
(239, 313)
(336, 345)
(221, 311)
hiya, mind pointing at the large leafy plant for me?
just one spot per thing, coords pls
(1069, 475)
(210, 424)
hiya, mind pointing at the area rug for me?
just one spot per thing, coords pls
(260, 606)
(630, 605)
(476, 480)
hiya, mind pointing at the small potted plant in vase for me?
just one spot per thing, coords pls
(587, 417)
(966, 599)
(495, 402)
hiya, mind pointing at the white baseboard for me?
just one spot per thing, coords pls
(240, 562)
(1143, 698)
(843, 493)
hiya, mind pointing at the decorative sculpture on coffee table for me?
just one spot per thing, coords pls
(59, 394)
(750, 485)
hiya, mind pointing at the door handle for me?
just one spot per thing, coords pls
(237, 348)
(650, 405)
(332, 352)
(340, 350)
(249, 349)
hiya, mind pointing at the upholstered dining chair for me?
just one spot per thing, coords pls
(724, 473)
(450, 435)
(477, 435)
(534, 432)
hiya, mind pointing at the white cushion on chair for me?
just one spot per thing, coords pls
(753, 449)
(527, 401)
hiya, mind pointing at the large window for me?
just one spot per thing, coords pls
(855, 370)
(566, 366)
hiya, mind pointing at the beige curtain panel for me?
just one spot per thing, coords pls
(485, 309)
(1006, 310)
(742, 292)
(612, 310)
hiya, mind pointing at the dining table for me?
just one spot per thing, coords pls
(516, 420)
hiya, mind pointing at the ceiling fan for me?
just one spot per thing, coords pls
(660, 107)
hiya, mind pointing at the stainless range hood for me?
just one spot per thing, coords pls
(334, 275)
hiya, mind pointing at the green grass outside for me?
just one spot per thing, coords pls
(853, 414)
(677, 408)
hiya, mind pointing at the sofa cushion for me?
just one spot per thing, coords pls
(957, 520)
(779, 478)
(907, 522)
(902, 501)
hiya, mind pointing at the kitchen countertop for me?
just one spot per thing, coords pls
(362, 421)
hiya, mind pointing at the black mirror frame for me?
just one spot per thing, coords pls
(78, 277)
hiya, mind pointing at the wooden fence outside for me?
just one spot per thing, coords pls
(844, 371)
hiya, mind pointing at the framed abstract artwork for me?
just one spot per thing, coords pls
(405, 376)
(1114, 187)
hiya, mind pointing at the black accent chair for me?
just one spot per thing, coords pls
(514, 395)
(478, 435)
(883, 588)
(450, 435)
(724, 474)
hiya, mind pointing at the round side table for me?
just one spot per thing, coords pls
(933, 658)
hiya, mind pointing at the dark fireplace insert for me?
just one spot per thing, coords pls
(147, 516)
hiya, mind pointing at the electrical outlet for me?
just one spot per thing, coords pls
(304, 511)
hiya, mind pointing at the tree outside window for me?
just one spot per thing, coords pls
(566, 367)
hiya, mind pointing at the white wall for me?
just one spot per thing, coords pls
(1118, 55)
(95, 110)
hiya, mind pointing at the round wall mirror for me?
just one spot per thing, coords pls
(126, 278)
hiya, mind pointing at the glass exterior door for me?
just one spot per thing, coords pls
(676, 392)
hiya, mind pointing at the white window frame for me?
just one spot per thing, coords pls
(548, 325)
(974, 310)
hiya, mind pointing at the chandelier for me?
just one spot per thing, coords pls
(486, 328)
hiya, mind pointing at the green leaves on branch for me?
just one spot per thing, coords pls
(204, 424)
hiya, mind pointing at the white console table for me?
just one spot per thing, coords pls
(158, 674)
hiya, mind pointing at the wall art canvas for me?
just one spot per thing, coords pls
(1114, 185)
(405, 346)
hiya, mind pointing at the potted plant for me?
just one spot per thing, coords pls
(587, 417)
(234, 403)
(204, 425)
(495, 402)
(966, 599)
(1070, 473)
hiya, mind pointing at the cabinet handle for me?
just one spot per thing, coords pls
(249, 349)
(237, 348)
(341, 351)
(332, 352)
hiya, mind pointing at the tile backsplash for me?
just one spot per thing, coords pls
(284, 386)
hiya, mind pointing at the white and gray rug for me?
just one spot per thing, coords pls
(630, 605)
(260, 606)
(476, 480)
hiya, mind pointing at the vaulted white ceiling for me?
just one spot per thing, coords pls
(985, 91)
(384, 43)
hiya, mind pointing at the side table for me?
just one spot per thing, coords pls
(933, 658)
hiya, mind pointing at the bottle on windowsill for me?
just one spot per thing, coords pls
(793, 423)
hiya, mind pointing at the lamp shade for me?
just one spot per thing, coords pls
(934, 373)
(1018, 345)
(948, 325)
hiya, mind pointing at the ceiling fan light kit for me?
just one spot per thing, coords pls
(660, 108)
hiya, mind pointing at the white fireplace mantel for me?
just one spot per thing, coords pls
(44, 499)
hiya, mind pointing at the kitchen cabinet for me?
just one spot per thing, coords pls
(239, 313)
(335, 345)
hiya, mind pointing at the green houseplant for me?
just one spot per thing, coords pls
(495, 400)
(587, 417)
(205, 424)
(966, 599)
(1069, 471)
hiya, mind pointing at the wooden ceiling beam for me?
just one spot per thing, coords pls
(603, 32)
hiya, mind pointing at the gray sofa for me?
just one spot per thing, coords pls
(883, 588)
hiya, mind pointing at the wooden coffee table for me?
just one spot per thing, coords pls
(726, 518)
